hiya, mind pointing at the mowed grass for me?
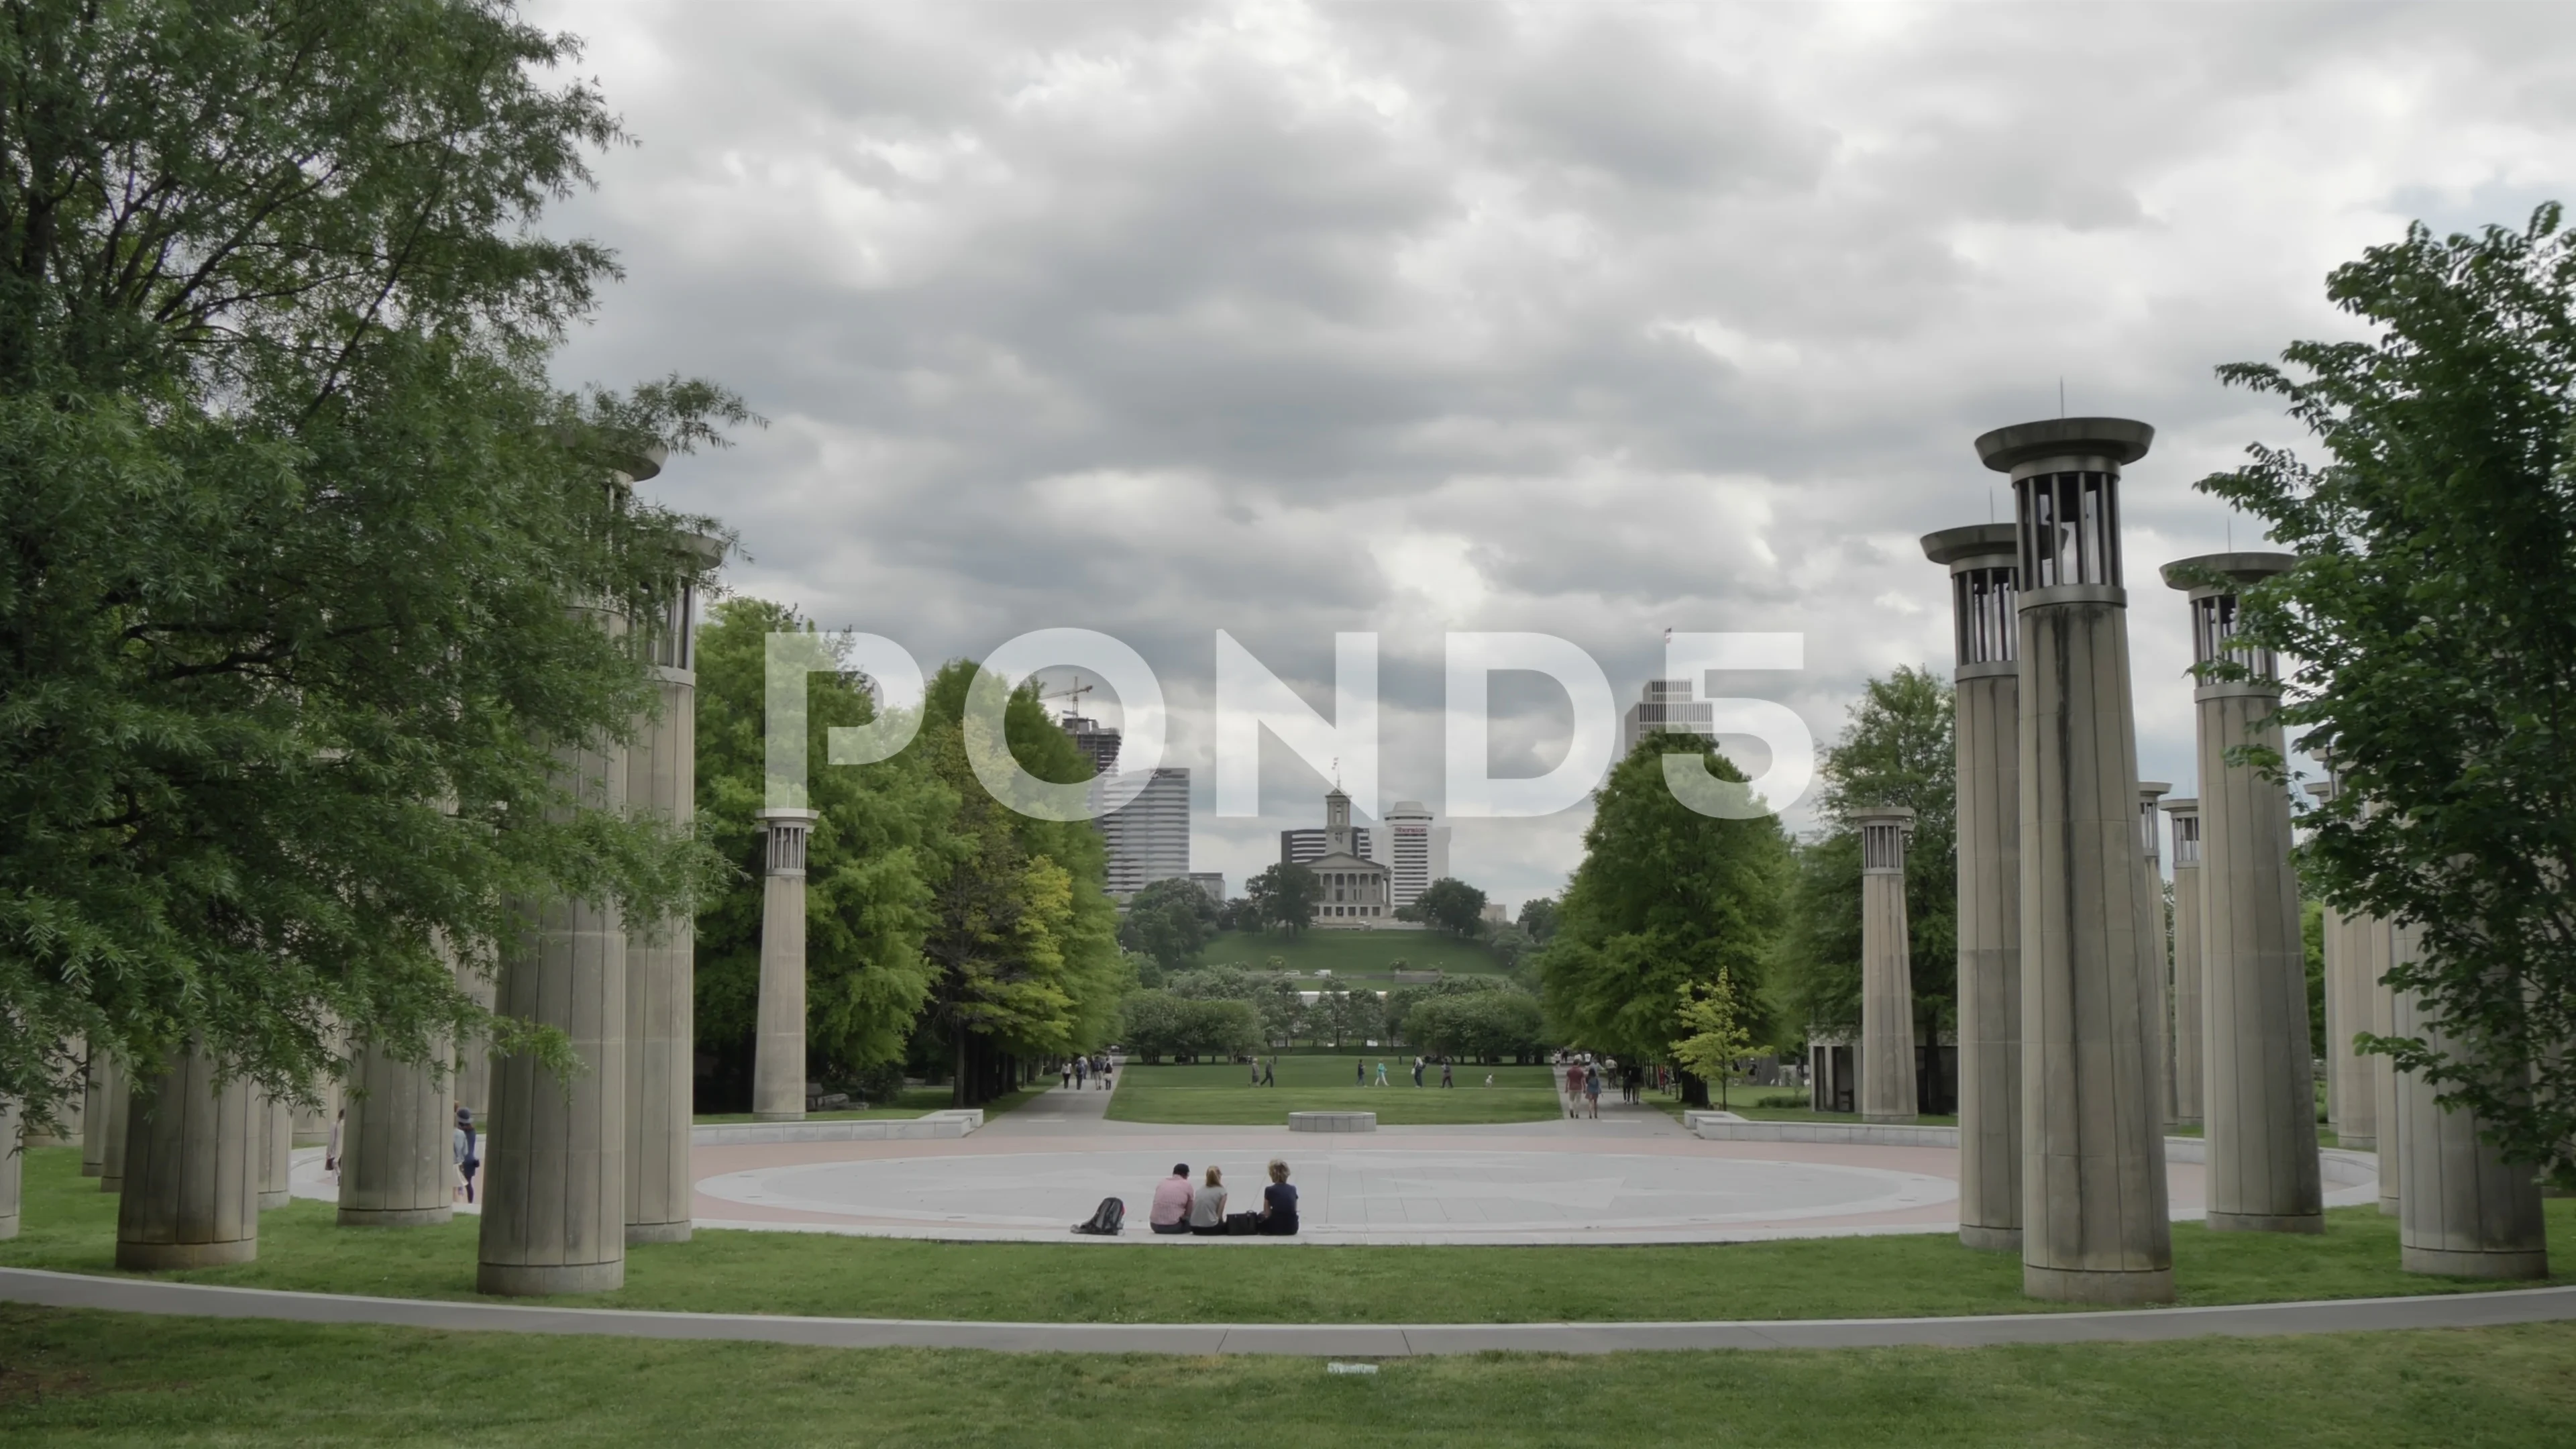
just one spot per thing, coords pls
(116, 1379)
(71, 1226)
(1359, 957)
(1222, 1093)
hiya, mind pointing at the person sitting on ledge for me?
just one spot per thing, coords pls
(1278, 1204)
(1172, 1201)
(1207, 1208)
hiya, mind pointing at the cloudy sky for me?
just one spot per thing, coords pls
(1587, 319)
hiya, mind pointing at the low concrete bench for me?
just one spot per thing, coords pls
(1332, 1121)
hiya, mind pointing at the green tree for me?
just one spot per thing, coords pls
(305, 558)
(1168, 920)
(1484, 1026)
(1022, 932)
(1714, 1023)
(1665, 898)
(2433, 647)
(1538, 919)
(867, 893)
(1159, 1024)
(1895, 751)
(1453, 906)
(1284, 896)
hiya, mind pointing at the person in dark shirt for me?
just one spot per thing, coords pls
(1278, 1204)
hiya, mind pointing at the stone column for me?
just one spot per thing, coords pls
(2260, 1114)
(1987, 690)
(2352, 1094)
(2093, 1174)
(1886, 969)
(778, 1066)
(2183, 1061)
(311, 1126)
(276, 1151)
(70, 1120)
(554, 1210)
(2375, 942)
(396, 1170)
(102, 1085)
(661, 1014)
(473, 1086)
(190, 1197)
(116, 1110)
(2463, 1211)
(12, 1160)
(2151, 892)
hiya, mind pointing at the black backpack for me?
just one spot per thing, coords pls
(1107, 1220)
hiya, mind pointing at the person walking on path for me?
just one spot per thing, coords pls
(1081, 1073)
(1107, 1066)
(468, 1161)
(1592, 1092)
(1256, 1072)
(1446, 1079)
(1381, 1075)
(1417, 1071)
(1359, 1072)
(1573, 1088)
(1066, 1067)
(1268, 1079)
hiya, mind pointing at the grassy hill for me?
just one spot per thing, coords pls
(1355, 956)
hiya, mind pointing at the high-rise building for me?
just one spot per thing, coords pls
(1149, 836)
(1098, 742)
(1666, 706)
(1416, 851)
(1305, 847)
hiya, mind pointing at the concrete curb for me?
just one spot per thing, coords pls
(952, 1122)
(2359, 1315)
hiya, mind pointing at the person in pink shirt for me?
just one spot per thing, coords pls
(1172, 1201)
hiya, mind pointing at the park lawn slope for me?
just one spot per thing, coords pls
(1354, 957)
(118, 1379)
(70, 1226)
(1217, 1094)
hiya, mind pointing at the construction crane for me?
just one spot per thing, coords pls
(1075, 692)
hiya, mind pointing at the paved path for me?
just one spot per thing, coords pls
(2460, 1310)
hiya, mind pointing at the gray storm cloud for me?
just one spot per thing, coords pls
(1584, 319)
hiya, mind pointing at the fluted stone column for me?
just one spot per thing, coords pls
(778, 1066)
(1886, 969)
(102, 1084)
(1982, 559)
(68, 1128)
(2151, 890)
(2093, 1175)
(2464, 1212)
(554, 1210)
(2184, 1058)
(661, 1016)
(13, 1149)
(190, 1196)
(276, 1150)
(396, 1170)
(2260, 1100)
(473, 1087)
(2352, 1093)
(2376, 940)
(117, 1110)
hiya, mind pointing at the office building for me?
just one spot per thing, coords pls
(1149, 836)
(1665, 706)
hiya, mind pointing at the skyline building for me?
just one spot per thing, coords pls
(1665, 706)
(1149, 836)
(1415, 851)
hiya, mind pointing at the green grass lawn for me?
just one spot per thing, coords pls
(99, 1378)
(1315, 1083)
(1354, 956)
(71, 1226)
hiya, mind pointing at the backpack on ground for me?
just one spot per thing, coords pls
(1106, 1221)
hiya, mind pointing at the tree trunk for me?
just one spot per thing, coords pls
(1694, 1090)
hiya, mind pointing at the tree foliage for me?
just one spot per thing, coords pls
(877, 838)
(1284, 896)
(305, 558)
(2433, 646)
(1665, 898)
(1170, 921)
(1453, 906)
(1895, 751)
(1483, 1026)
(1159, 1024)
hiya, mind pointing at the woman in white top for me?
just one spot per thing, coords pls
(1207, 1209)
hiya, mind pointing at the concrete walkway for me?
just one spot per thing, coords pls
(2458, 1310)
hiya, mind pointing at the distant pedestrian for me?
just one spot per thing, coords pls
(1267, 1079)
(1592, 1092)
(1107, 1066)
(331, 1154)
(1417, 1071)
(468, 1159)
(1573, 1089)
(1359, 1072)
(1081, 1072)
(1381, 1075)
(1256, 1072)
(1445, 1079)
(1066, 1067)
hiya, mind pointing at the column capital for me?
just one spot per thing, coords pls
(788, 828)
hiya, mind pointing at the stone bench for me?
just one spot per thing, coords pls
(1332, 1121)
